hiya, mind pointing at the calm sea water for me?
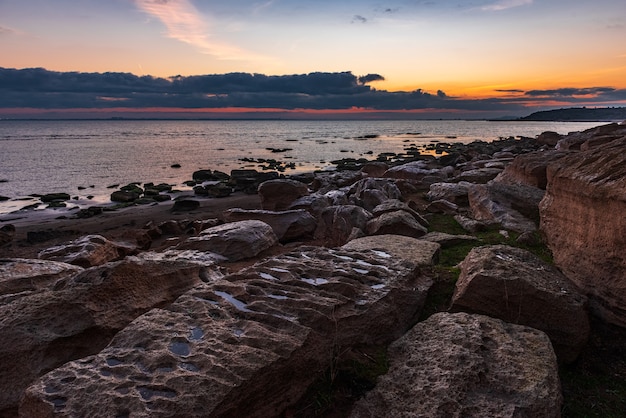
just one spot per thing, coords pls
(38, 157)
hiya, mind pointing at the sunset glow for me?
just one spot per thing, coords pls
(485, 50)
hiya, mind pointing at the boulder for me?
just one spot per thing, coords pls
(371, 192)
(452, 192)
(280, 193)
(448, 240)
(418, 171)
(185, 205)
(374, 169)
(18, 275)
(514, 206)
(314, 203)
(125, 196)
(479, 175)
(233, 240)
(7, 232)
(393, 205)
(51, 197)
(398, 222)
(288, 225)
(516, 286)
(460, 365)
(416, 251)
(530, 169)
(79, 314)
(338, 223)
(333, 180)
(248, 345)
(595, 136)
(582, 217)
(548, 138)
(88, 251)
(442, 206)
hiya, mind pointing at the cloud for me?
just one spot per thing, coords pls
(38, 88)
(359, 19)
(506, 4)
(185, 24)
(364, 79)
(570, 92)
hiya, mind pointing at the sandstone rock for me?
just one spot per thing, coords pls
(393, 205)
(79, 315)
(327, 181)
(548, 138)
(452, 192)
(479, 175)
(185, 205)
(417, 251)
(288, 225)
(417, 171)
(337, 223)
(125, 196)
(278, 194)
(582, 217)
(442, 206)
(516, 286)
(234, 240)
(371, 192)
(469, 224)
(19, 275)
(530, 169)
(7, 232)
(460, 365)
(398, 222)
(314, 203)
(514, 206)
(248, 345)
(599, 134)
(51, 197)
(374, 169)
(88, 251)
(448, 240)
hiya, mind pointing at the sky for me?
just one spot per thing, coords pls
(381, 58)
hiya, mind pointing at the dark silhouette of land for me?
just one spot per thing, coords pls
(579, 114)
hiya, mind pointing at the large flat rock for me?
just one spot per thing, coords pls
(248, 345)
(79, 315)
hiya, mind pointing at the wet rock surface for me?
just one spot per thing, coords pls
(79, 314)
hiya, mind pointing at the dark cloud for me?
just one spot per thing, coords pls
(509, 91)
(364, 79)
(42, 89)
(359, 19)
(570, 92)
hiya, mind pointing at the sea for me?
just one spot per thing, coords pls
(86, 158)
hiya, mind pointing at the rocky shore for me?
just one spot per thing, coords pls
(487, 280)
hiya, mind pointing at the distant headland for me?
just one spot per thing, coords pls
(579, 114)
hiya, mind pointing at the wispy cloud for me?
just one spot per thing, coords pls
(506, 4)
(184, 23)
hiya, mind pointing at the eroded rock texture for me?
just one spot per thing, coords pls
(248, 345)
(516, 286)
(79, 315)
(461, 365)
(582, 216)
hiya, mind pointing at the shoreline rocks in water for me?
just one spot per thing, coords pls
(244, 310)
